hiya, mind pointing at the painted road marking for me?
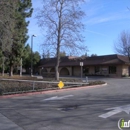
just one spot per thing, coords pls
(58, 98)
(116, 110)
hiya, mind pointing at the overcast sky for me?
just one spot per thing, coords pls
(104, 21)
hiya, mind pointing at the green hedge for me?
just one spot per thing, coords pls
(96, 82)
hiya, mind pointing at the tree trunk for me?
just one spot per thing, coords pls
(57, 74)
(11, 71)
(21, 67)
(58, 43)
(57, 62)
(3, 66)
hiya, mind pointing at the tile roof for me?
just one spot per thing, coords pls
(97, 60)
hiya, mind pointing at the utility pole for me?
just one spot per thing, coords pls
(31, 54)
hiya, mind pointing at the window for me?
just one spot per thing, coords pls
(112, 69)
(97, 69)
(86, 70)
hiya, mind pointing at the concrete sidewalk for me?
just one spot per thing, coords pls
(7, 124)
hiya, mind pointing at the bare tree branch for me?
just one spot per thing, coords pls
(122, 45)
(62, 20)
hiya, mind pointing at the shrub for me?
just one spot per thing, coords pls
(96, 82)
(18, 87)
(9, 87)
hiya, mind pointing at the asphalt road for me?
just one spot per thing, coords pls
(83, 109)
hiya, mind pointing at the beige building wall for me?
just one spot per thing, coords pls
(62, 71)
(118, 71)
(70, 70)
(125, 70)
(77, 71)
(91, 69)
(104, 70)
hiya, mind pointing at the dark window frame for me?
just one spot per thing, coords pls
(97, 69)
(86, 70)
(112, 69)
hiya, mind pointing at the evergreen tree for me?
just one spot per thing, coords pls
(27, 58)
(7, 9)
(23, 10)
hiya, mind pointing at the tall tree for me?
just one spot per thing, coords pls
(93, 55)
(62, 21)
(6, 27)
(27, 57)
(23, 10)
(6, 21)
(46, 54)
(62, 54)
(122, 45)
(85, 55)
(36, 58)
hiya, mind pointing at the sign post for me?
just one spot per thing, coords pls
(81, 64)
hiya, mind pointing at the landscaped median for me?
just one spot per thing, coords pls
(14, 86)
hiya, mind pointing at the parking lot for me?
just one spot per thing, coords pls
(81, 109)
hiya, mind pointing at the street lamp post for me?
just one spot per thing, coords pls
(31, 54)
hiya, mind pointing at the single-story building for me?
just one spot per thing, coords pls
(107, 65)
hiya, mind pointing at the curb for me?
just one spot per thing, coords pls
(50, 91)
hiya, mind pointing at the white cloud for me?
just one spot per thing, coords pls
(98, 33)
(108, 18)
